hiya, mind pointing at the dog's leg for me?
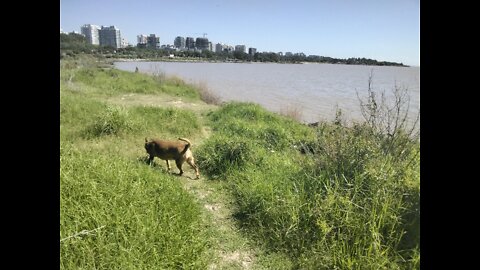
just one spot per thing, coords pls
(168, 165)
(191, 162)
(150, 159)
(179, 165)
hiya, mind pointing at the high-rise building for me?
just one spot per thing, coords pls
(125, 43)
(141, 39)
(190, 43)
(110, 36)
(252, 51)
(201, 43)
(153, 42)
(90, 31)
(240, 48)
(218, 47)
(179, 42)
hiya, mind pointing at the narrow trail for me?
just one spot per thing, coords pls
(232, 250)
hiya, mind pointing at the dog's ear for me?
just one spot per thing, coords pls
(146, 139)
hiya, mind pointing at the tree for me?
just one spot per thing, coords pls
(239, 55)
(73, 43)
(207, 54)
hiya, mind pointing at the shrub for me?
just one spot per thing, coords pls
(112, 121)
(293, 111)
(253, 122)
(243, 110)
(389, 118)
(206, 94)
(220, 156)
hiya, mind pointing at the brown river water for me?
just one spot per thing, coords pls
(313, 90)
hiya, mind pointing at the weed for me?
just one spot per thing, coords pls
(112, 121)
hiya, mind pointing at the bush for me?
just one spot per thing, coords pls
(206, 94)
(343, 151)
(220, 156)
(252, 122)
(244, 111)
(293, 111)
(389, 118)
(113, 121)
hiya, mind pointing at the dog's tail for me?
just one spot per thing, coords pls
(187, 146)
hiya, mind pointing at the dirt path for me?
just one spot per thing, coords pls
(233, 251)
(160, 100)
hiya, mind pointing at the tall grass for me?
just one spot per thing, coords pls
(206, 94)
(115, 211)
(106, 81)
(292, 111)
(85, 117)
(253, 122)
(346, 203)
(143, 219)
(329, 197)
(112, 121)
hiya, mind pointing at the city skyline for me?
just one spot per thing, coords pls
(380, 30)
(94, 37)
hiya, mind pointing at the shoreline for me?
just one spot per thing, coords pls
(182, 60)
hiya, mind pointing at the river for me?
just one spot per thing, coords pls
(315, 91)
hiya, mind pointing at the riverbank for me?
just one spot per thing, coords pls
(315, 91)
(203, 60)
(198, 60)
(273, 193)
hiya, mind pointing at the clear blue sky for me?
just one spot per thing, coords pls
(384, 30)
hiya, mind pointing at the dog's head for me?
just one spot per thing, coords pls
(148, 145)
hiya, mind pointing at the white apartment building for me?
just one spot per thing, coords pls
(125, 43)
(90, 31)
(110, 36)
(142, 39)
(220, 47)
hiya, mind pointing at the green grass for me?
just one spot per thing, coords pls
(352, 204)
(86, 117)
(110, 82)
(331, 197)
(147, 219)
(137, 216)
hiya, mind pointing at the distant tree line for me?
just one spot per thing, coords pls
(72, 44)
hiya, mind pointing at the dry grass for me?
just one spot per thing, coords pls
(177, 81)
(206, 94)
(292, 111)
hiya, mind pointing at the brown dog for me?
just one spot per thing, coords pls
(171, 150)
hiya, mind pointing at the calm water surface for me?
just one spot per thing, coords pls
(316, 90)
